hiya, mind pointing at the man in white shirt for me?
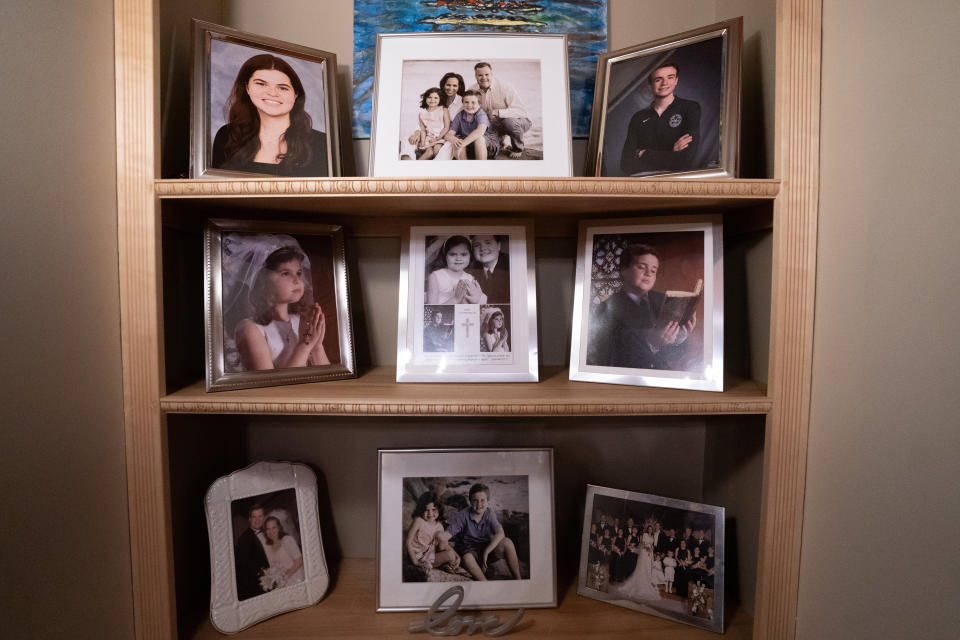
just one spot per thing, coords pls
(506, 112)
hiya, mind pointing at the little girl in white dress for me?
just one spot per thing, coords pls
(669, 570)
(442, 284)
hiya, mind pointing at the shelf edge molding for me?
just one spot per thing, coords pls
(496, 187)
(407, 409)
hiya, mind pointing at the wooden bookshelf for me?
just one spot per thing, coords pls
(345, 612)
(377, 206)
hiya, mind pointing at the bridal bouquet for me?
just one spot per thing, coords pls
(697, 600)
(271, 578)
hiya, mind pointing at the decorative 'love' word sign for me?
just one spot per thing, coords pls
(447, 623)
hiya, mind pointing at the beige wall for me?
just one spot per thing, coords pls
(880, 551)
(65, 570)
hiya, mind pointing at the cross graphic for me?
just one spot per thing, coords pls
(467, 324)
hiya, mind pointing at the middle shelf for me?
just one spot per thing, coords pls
(375, 393)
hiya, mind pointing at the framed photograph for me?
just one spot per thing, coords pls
(261, 107)
(648, 303)
(654, 554)
(266, 552)
(277, 304)
(481, 518)
(585, 24)
(474, 104)
(468, 308)
(669, 107)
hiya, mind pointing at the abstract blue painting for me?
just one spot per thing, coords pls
(584, 22)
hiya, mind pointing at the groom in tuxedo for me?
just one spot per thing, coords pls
(491, 268)
(667, 541)
(250, 556)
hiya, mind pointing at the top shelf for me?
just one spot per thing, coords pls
(400, 196)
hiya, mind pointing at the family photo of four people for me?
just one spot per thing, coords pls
(489, 119)
(463, 269)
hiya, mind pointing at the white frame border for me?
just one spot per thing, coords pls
(228, 614)
(394, 48)
(712, 379)
(523, 304)
(536, 463)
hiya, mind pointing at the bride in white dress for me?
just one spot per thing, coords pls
(639, 586)
(283, 553)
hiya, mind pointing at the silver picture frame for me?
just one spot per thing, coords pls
(707, 71)
(622, 579)
(283, 492)
(534, 65)
(219, 53)
(519, 492)
(619, 335)
(458, 347)
(235, 255)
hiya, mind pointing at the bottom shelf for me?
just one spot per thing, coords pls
(348, 612)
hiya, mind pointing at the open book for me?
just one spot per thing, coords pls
(678, 306)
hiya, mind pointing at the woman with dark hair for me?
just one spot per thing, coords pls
(287, 327)
(283, 553)
(452, 87)
(268, 130)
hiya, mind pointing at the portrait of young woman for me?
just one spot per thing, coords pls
(261, 107)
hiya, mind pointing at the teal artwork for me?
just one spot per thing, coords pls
(584, 22)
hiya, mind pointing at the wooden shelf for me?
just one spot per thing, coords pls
(348, 612)
(400, 196)
(375, 393)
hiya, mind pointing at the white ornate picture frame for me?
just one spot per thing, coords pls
(286, 492)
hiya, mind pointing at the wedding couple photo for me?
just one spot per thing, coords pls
(266, 543)
(654, 554)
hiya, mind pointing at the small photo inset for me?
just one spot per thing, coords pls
(438, 328)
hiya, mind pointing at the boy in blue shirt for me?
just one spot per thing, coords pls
(470, 132)
(481, 534)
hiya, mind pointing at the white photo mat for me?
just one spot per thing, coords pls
(711, 376)
(550, 50)
(521, 364)
(227, 613)
(540, 590)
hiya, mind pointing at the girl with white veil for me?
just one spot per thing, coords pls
(270, 320)
(639, 586)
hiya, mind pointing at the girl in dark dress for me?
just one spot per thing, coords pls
(268, 130)
(629, 560)
(616, 557)
(682, 572)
